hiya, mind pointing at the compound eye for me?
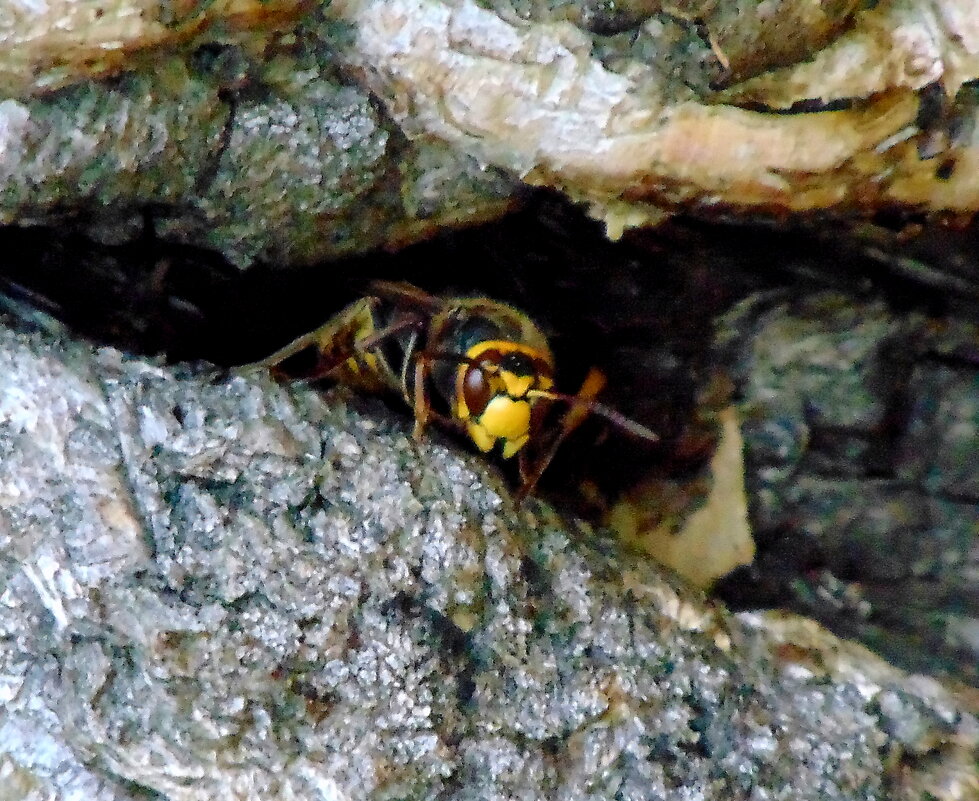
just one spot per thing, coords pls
(476, 391)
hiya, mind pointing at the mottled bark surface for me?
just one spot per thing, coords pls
(638, 117)
(215, 588)
(223, 589)
(364, 123)
(57, 43)
(850, 372)
(862, 426)
(251, 145)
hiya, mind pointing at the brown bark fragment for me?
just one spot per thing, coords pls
(752, 37)
(532, 99)
(839, 107)
(64, 41)
(905, 44)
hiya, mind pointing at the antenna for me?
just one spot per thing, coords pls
(625, 423)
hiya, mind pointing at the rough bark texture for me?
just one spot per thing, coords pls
(252, 146)
(218, 589)
(222, 589)
(54, 44)
(834, 359)
(861, 430)
(235, 119)
(537, 99)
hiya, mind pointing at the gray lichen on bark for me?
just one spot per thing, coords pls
(215, 587)
(861, 428)
(260, 152)
(638, 109)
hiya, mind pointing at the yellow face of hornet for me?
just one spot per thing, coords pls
(494, 393)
